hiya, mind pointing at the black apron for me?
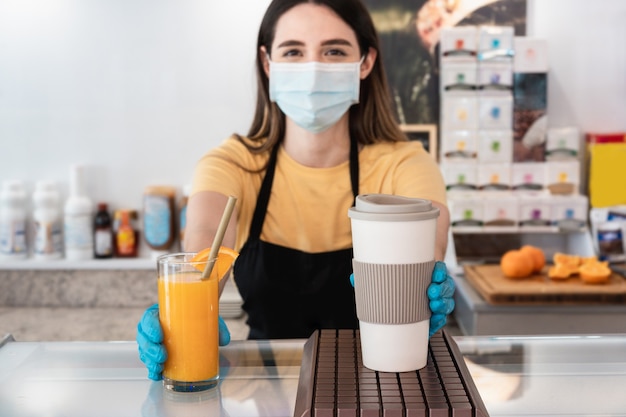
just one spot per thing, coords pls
(288, 293)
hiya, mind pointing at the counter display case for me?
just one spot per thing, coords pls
(478, 316)
(515, 376)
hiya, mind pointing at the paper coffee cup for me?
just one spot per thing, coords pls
(393, 240)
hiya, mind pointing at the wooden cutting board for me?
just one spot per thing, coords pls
(495, 288)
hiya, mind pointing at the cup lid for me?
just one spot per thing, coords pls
(387, 207)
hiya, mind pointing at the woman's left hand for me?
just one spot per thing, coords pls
(440, 293)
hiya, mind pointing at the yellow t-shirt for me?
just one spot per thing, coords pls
(308, 207)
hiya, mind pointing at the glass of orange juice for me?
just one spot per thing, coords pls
(188, 312)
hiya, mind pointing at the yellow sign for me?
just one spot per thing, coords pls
(607, 174)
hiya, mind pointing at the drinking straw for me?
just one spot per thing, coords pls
(219, 236)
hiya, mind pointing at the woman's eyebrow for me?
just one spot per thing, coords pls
(290, 43)
(338, 41)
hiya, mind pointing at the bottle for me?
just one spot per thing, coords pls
(78, 218)
(126, 240)
(102, 233)
(182, 213)
(13, 221)
(158, 218)
(48, 222)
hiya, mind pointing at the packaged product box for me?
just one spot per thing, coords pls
(530, 120)
(466, 211)
(460, 177)
(563, 143)
(495, 43)
(495, 145)
(495, 76)
(494, 177)
(569, 212)
(459, 146)
(459, 111)
(459, 43)
(531, 55)
(563, 177)
(457, 76)
(495, 110)
(528, 176)
(597, 138)
(535, 213)
(608, 229)
(500, 212)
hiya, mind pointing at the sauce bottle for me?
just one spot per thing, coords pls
(126, 240)
(103, 233)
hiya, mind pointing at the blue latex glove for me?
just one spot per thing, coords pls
(440, 293)
(150, 341)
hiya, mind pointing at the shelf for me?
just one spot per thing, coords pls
(61, 264)
(517, 230)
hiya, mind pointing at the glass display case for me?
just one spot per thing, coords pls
(515, 376)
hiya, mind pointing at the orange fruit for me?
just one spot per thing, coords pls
(537, 255)
(560, 271)
(565, 259)
(516, 264)
(594, 272)
(225, 259)
(591, 259)
(565, 265)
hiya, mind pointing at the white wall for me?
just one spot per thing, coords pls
(587, 58)
(136, 89)
(140, 89)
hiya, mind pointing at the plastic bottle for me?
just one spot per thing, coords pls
(102, 233)
(158, 218)
(182, 215)
(13, 221)
(48, 222)
(78, 218)
(126, 240)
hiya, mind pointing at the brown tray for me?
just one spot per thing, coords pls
(495, 288)
(334, 383)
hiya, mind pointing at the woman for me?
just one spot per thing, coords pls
(323, 132)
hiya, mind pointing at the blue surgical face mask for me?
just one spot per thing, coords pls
(315, 95)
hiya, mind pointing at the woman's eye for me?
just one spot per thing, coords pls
(335, 52)
(291, 53)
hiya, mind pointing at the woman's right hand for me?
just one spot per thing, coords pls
(150, 342)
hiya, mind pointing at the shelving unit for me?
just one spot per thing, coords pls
(91, 264)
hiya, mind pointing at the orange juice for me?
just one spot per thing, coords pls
(188, 309)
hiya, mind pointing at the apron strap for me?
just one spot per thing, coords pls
(266, 187)
(354, 168)
(264, 196)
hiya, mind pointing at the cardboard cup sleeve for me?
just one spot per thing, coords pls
(392, 293)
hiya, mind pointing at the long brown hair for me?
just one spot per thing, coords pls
(371, 120)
